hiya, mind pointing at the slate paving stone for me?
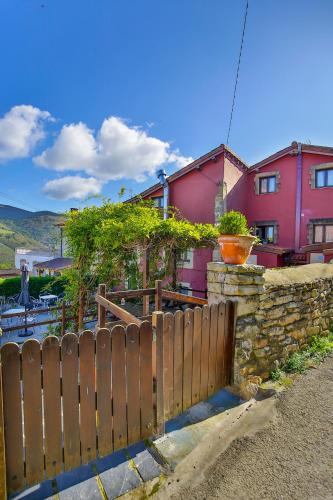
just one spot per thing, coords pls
(78, 484)
(119, 480)
(146, 464)
(117, 474)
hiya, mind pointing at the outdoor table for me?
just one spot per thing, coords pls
(47, 298)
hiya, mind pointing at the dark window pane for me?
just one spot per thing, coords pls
(330, 177)
(329, 234)
(263, 185)
(318, 234)
(320, 178)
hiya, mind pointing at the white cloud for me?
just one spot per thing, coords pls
(20, 130)
(116, 151)
(72, 186)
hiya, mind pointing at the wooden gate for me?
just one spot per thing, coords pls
(66, 403)
(194, 356)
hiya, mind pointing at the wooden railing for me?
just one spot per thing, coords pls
(105, 302)
(63, 318)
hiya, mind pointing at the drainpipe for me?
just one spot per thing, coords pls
(298, 197)
(161, 175)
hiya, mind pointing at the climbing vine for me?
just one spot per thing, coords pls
(108, 242)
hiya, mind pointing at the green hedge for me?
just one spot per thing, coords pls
(37, 284)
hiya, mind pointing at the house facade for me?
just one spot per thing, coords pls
(287, 198)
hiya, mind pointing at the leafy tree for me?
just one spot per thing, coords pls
(109, 241)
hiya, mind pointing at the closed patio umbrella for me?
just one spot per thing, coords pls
(24, 297)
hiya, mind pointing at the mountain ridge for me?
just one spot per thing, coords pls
(27, 229)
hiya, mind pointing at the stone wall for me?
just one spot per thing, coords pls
(274, 317)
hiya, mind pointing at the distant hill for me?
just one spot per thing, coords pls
(9, 212)
(22, 228)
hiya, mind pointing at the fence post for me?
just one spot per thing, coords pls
(3, 485)
(101, 309)
(158, 369)
(158, 295)
(145, 271)
(63, 318)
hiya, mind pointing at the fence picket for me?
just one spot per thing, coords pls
(119, 387)
(32, 411)
(146, 379)
(178, 357)
(133, 382)
(52, 406)
(197, 323)
(70, 400)
(230, 326)
(168, 336)
(204, 353)
(220, 345)
(87, 396)
(212, 349)
(188, 354)
(12, 409)
(103, 390)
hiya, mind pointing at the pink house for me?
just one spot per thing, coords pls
(287, 197)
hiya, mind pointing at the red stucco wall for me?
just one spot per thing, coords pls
(316, 203)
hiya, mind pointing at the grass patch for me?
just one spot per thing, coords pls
(298, 362)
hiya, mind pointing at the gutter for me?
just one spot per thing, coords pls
(298, 207)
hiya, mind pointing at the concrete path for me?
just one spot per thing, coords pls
(286, 453)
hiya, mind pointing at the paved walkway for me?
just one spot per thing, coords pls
(291, 458)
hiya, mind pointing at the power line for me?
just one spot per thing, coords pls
(237, 73)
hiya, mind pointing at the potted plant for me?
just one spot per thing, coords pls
(236, 240)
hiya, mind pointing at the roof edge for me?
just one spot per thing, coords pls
(211, 155)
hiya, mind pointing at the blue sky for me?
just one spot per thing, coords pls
(114, 89)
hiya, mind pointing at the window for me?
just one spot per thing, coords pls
(324, 178)
(323, 233)
(158, 201)
(267, 184)
(265, 233)
(186, 259)
(185, 256)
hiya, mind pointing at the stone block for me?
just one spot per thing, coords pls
(289, 318)
(241, 279)
(275, 313)
(242, 290)
(246, 307)
(235, 269)
(215, 288)
(213, 277)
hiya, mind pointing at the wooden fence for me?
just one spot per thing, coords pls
(66, 403)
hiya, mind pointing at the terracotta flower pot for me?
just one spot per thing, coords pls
(234, 248)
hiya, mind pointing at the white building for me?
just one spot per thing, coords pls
(31, 256)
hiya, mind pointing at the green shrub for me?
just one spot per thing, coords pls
(321, 346)
(296, 363)
(37, 285)
(233, 223)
